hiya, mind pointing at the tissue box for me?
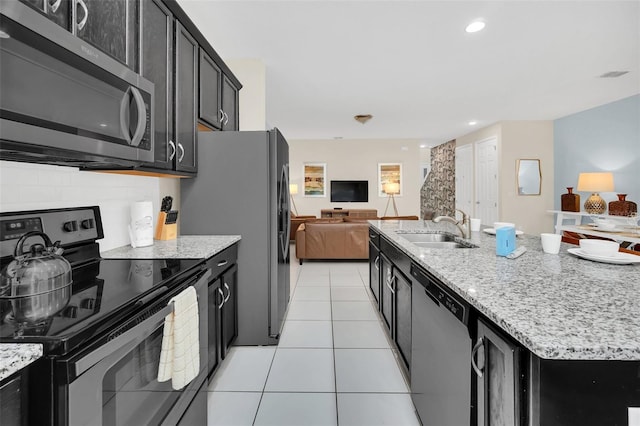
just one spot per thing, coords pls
(505, 240)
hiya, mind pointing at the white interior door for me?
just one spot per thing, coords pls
(464, 179)
(487, 181)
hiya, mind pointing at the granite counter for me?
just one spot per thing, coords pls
(16, 356)
(183, 247)
(558, 306)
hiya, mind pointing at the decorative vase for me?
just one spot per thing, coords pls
(622, 207)
(570, 202)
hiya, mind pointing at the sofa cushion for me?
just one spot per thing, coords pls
(325, 220)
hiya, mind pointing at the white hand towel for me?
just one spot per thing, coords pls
(180, 356)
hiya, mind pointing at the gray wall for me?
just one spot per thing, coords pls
(605, 138)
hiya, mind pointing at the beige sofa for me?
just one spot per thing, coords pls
(336, 238)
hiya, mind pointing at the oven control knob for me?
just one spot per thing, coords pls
(87, 224)
(70, 226)
(70, 312)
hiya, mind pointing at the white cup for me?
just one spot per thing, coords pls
(551, 243)
(475, 224)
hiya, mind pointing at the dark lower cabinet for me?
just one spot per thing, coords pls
(13, 402)
(223, 306)
(496, 361)
(402, 318)
(386, 292)
(374, 272)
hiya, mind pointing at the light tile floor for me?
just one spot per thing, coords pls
(333, 365)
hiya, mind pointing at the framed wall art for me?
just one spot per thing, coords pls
(389, 179)
(315, 179)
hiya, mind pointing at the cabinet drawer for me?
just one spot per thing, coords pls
(397, 257)
(374, 237)
(223, 260)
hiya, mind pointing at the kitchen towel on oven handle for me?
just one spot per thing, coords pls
(180, 354)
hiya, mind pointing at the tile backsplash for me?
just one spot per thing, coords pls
(25, 186)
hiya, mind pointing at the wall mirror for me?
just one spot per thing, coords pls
(529, 177)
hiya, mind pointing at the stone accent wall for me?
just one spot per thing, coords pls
(437, 194)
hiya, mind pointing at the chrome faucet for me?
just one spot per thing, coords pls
(464, 225)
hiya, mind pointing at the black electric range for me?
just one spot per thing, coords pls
(104, 291)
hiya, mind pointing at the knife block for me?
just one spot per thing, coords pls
(164, 230)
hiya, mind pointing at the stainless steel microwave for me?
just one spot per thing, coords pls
(62, 101)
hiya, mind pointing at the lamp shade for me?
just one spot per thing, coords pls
(391, 188)
(293, 188)
(595, 182)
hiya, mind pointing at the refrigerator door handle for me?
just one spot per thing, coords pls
(284, 199)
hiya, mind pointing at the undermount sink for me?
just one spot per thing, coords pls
(435, 240)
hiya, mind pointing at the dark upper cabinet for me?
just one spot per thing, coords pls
(229, 105)
(111, 26)
(156, 65)
(186, 82)
(210, 93)
(58, 11)
(218, 96)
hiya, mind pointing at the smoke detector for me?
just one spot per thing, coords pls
(363, 118)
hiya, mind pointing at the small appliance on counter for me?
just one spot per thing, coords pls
(167, 228)
(141, 225)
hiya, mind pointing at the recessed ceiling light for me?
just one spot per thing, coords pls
(475, 26)
(473, 123)
(363, 118)
(423, 145)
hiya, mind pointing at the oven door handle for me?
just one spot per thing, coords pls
(131, 337)
(126, 340)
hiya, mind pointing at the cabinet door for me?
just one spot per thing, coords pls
(14, 410)
(58, 11)
(215, 298)
(229, 313)
(497, 371)
(230, 105)
(386, 298)
(157, 66)
(186, 78)
(402, 323)
(111, 26)
(374, 273)
(209, 95)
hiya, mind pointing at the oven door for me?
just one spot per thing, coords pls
(116, 383)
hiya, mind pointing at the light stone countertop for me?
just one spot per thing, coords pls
(183, 247)
(558, 306)
(16, 356)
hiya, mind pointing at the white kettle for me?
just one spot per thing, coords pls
(141, 225)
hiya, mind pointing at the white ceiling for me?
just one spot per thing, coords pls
(413, 67)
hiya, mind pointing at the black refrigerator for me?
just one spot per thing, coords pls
(242, 188)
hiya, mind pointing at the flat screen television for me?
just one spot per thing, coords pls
(345, 191)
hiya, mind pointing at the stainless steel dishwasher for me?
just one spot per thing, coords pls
(441, 353)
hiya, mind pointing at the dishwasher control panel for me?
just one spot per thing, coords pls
(458, 308)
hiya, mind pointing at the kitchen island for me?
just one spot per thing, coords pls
(557, 306)
(542, 339)
(16, 356)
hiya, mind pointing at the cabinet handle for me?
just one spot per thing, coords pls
(478, 345)
(181, 148)
(226, 299)
(222, 263)
(173, 152)
(376, 263)
(53, 7)
(389, 281)
(226, 118)
(82, 23)
(221, 295)
(221, 116)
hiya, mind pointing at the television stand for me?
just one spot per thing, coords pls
(339, 212)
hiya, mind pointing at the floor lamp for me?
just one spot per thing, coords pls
(293, 190)
(390, 189)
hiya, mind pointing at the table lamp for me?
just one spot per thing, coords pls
(594, 183)
(293, 190)
(390, 189)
